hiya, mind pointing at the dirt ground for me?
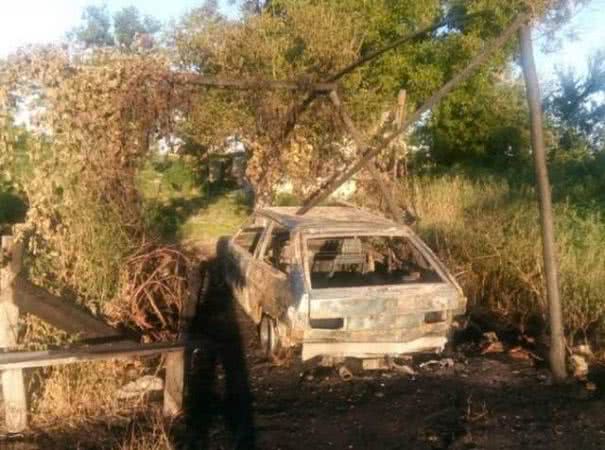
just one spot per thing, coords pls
(239, 399)
(465, 399)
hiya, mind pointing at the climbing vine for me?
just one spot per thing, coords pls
(93, 119)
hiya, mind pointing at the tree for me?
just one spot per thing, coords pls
(128, 23)
(97, 120)
(128, 26)
(575, 106)
(311, 40)
(95, 32)
(481, 124)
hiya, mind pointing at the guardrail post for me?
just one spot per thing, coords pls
(13, 387)
(174, 385)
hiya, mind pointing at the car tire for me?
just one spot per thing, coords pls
(269, 340)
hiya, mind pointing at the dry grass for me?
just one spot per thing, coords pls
(72, 395)
(489, 235)
(142, 429)
(75, 407)
(152, 434)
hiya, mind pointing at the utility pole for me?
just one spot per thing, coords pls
(557, 337)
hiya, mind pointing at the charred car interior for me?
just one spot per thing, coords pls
(349, 261)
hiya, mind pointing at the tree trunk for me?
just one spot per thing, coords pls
(557, 338)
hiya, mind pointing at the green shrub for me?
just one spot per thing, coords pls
(179, 176)
(285, 199)
(12, 209)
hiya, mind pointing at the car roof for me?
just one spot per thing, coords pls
(328, 219)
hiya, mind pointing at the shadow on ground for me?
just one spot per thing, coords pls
(218, 383)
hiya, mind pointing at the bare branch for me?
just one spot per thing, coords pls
(199, 80)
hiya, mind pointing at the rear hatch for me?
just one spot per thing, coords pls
(375, 294)
(381, 314)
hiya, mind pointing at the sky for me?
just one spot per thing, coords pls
(588, 26)
(43, 21)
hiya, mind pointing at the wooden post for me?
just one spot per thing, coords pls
(557, 336)
(371, 165)
(174, 385)
(399, 122)
(13, 387)
(400, 112)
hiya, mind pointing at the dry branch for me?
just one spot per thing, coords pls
(154, 288)
(62, 314)
(371, 166)
(258, 84)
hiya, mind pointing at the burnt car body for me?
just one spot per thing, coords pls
(341, 282)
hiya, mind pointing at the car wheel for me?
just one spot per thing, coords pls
(269, 340)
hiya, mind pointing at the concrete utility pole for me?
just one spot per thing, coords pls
(557, 337)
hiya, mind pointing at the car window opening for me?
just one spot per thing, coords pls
(351, 261)
(249, 238)
(278, 251)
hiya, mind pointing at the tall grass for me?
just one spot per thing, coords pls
(488, 232)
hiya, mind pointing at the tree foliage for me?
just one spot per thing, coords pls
(484, 124)
(576, 104)
(128, 24)
(100, 29)
(96, 30)
(311, 40)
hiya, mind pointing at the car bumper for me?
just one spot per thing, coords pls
(364, 350)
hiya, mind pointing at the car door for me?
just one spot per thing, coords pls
(238, 260)
(268, 274)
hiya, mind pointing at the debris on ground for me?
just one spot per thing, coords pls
(491, 343)
(441, 363)
(402, 368)
(522, 353)
(140, 387)
(344, 373)
(375, 364)
(579, 366)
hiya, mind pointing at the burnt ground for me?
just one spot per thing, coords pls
(239, 399)
(483, 401)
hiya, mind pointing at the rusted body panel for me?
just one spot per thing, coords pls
(383, 301)
(364, 322)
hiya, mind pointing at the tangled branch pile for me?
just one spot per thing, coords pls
(153, 288)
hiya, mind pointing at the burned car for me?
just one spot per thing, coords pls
(341, 282)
